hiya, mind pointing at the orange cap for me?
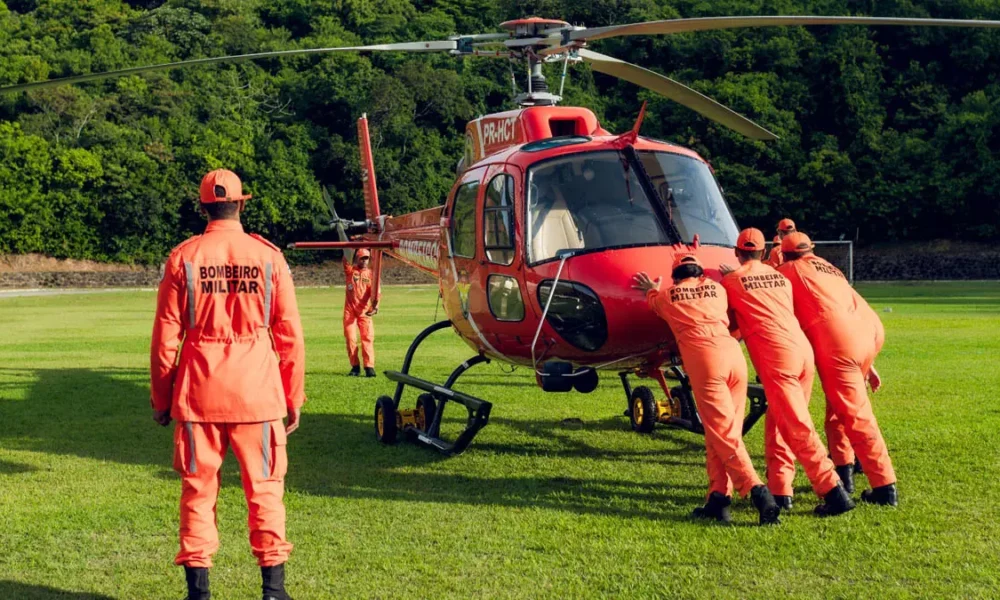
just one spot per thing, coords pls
(796, 242)
(786, 225)
(685, 259)
(750, 239)
(222, 185)
(362, 253)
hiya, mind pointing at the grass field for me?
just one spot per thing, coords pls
(88, 502)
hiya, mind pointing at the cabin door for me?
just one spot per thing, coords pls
(464, 297)
(500, 277)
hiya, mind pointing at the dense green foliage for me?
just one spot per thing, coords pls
(888, 133)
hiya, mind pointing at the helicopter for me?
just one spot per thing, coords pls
(549, 218)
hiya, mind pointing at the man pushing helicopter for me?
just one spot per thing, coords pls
(802, 313)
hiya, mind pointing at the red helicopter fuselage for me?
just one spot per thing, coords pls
(546, 194)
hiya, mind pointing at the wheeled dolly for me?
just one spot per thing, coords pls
(422, 424)
(678, 409)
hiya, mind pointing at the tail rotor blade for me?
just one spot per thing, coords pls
(334, 218)
(376, 275)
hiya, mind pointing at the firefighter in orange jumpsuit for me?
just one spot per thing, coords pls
(846, 336)
(762, 300)
(228, 364)
(697, 311)
(359, 308)
(785, 227)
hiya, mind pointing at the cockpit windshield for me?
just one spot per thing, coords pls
(593, 201)
(692, 198)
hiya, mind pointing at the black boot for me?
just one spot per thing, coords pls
(857, 466)
(355, 371)
(836, 502)
(716, 508)
(369, 372)
(846, 473)
(884, 495)
(197, 581)
(273, 583)
(764, 502)
(784, 502)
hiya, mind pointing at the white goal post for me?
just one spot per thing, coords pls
(840, 253)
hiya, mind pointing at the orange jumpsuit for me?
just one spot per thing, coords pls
(846, 336)
(697, 311)
(357, 305)
(228, 362)
(762, 300)
(775, 258)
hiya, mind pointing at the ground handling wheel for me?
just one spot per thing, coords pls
(585, 380)
(386, 425)
(645, 413)
(426, 409)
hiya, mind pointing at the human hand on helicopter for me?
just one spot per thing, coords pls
(726, 269)
(644, 283)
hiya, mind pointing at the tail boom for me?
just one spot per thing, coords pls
(418, 235)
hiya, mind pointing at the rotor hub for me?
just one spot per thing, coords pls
(532, 26)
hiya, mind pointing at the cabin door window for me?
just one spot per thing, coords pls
(463, 221)
(505, 299)
(498, 215)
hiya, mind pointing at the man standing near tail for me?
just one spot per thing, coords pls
(846, 336)
(786, 227)
(359, 308)
(226, 306)
(762, 300)
(697, 311)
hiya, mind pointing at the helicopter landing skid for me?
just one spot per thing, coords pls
(678, 409)
(423, 424)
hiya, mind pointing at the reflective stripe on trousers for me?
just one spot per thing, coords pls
(193, 462)
(266, 449)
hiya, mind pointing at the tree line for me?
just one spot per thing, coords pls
(886, 133)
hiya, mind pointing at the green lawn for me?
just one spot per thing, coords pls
(88, 502)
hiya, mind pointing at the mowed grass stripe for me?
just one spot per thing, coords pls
(88, 503)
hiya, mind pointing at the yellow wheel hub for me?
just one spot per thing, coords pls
(380, 422)
(421, 418)
(637, 410)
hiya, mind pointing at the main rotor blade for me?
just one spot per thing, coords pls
(678, 92)
(712, 23)
(438, 46)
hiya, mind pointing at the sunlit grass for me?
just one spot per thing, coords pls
(88, 503)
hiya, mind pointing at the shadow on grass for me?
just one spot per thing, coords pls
(11, 468)
(105, 415)
(22, 591)
(337, 455)
(94, 414)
